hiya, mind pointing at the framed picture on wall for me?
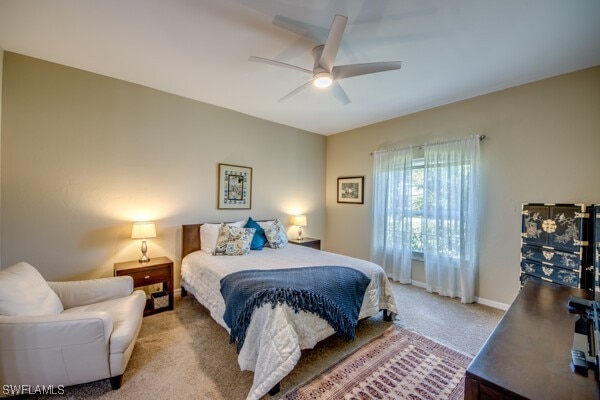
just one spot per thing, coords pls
(350, 189)
(235, 187)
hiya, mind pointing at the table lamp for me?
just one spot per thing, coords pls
(300, 221)
(143, 230)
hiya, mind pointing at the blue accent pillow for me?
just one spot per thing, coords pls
(259, 240)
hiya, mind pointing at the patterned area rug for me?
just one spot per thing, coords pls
(396, 365)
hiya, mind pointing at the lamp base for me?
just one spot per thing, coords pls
(144, 258)
(300, 233)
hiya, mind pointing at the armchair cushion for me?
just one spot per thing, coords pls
(23, 291)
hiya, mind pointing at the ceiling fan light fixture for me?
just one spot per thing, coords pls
(322, 79)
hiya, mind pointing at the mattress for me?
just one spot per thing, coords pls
(276, 336)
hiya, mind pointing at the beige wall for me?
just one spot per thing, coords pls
(1, 65)
(543, 145)
(83, 155)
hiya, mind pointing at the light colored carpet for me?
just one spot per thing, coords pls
(184, 354)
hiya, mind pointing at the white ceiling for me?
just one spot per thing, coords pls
(450, 49)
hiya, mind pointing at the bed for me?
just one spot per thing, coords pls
(275, 336)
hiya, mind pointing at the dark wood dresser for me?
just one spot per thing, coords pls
(528, 356)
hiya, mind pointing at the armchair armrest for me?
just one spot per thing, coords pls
(27, 332)
(81, 293)
(55, 349)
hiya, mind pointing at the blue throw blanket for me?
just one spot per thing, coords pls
(334, 293)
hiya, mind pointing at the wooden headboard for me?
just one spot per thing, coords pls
(190, 240)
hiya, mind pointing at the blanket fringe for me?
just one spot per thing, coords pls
(297, 299)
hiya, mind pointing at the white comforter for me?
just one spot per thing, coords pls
(275, 337)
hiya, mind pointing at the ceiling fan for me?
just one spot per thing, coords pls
(324, 73)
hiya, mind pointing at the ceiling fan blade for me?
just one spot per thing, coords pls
(332, 44)
(295, 91)
(339, 93)
(347, 71)
(279, 64)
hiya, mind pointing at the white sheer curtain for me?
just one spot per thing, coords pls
(451, 217)
(392, 208)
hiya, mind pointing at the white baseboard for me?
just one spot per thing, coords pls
(492, 303)
(482, 301)
(419, 284)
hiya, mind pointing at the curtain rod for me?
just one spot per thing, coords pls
(420, 146)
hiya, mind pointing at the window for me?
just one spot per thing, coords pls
(448, 208)
(423, 232)
(418, 177)
(419, 229)
(416, 198)
(425, 206)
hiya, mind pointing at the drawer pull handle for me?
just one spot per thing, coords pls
(147, 277)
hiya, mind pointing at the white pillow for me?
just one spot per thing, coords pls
(209, 233)
(265, 224)
(23, 291)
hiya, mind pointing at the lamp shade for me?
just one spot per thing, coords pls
(300, 220)
(143, 230)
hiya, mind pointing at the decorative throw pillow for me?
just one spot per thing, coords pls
(209, 234)
(259, 240)
(276, 235)
(24, 291)
(234, 241)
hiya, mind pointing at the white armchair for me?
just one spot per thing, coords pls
(66, 333)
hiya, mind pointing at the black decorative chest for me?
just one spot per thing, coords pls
(555, 244)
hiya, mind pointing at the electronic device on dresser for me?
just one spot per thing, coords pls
(596, 255)
(586, 341)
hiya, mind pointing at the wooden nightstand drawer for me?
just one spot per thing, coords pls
(151, 277)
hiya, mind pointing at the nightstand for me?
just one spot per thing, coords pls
(307, 242)
(157, 270)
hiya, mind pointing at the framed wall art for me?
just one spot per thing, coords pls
(350, 189)
(235, 187)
